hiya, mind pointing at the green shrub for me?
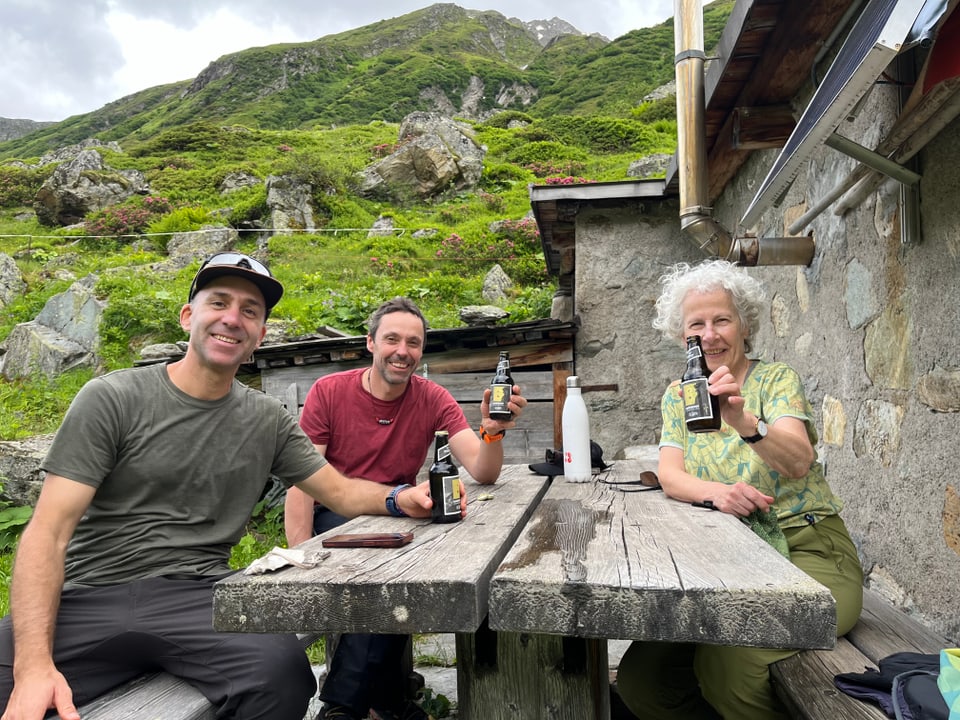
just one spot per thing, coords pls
(248, 205)
(128, 219)
(140, 310)
(546, 152)
(19, 185)
(13, 518)
(654, 110)
(35, 405)
(503, 119)
(184, 219)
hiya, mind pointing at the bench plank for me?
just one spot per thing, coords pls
(156, 696)
(883, 629)
(804, 683)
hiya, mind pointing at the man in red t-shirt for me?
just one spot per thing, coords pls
(379, 423)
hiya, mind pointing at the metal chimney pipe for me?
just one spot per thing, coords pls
(696, 220)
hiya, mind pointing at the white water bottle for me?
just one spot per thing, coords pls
(576, 435)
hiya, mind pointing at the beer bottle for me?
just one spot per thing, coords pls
(501, 388)
(444, 481)
(700, 409)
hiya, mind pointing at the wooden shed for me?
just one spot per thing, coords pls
(462, 360)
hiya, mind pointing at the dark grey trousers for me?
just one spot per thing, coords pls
(108, 635)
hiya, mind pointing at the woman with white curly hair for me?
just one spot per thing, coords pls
(760, 466)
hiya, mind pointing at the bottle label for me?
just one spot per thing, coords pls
(499, 397)
(451, 494)
(693, 352)
(443, 452)
(696, 400)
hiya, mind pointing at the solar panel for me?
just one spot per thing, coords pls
(874, 41)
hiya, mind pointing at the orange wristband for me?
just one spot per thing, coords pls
(488, 438)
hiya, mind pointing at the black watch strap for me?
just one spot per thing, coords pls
(759, 435)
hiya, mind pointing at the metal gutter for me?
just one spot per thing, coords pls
(696, 220)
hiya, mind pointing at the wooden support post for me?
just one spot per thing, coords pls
(505, 675)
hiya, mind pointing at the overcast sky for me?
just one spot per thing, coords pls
(67, 57)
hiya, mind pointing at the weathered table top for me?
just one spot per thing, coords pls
(597, 562)
(437, 583)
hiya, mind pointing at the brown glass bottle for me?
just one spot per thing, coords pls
(501, 388)
(444, 481)
(701, 410)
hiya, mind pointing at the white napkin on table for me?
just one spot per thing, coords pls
(283, 557)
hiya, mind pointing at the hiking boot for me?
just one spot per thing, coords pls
(337, 712)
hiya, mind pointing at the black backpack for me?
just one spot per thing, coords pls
(904, 686)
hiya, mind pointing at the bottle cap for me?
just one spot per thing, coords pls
(573, 381)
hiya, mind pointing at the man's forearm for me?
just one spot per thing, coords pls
(34, 599)
(297, 516)
(352, 497)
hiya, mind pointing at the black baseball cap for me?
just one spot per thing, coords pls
(238, 265)
(554, 461)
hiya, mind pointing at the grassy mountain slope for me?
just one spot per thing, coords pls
(294, 102)
(386, 70)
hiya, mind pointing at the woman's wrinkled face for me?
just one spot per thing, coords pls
(713, 316)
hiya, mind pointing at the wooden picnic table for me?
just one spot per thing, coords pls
(602, 560)
(438, 583)
(560, 568)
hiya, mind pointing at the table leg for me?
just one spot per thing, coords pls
(505, 675)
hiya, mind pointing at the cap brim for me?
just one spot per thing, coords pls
(270, 287)
(546, 468)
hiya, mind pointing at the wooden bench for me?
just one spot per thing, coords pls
(805, 681)
(150, 697)
(157, 696)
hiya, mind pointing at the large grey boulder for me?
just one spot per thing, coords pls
(435, 155)
(290, 203)
(496, 285)
(482, 314)
(64, 335)
(12, 285)
(84, 185)
(193, 245)
(20, 472)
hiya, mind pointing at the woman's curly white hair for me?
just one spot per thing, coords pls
(711, 275)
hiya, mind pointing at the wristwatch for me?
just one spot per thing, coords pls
(392, 506)
(759, 435)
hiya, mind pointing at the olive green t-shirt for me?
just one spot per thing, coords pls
(771, 391)
(176, 477)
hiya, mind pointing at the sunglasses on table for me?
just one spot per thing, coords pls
(648, 480)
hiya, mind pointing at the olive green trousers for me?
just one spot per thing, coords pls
(684, 681)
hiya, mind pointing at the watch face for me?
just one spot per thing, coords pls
(761, 428)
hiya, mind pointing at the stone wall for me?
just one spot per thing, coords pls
(620, 255)
(871, 327)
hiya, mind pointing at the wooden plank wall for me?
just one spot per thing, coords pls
(523, 445)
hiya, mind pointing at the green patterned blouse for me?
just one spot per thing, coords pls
(772, 391)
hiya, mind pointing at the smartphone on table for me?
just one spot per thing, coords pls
(381, 540)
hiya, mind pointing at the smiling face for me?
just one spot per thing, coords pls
(226, 321)
(397, 347)
(713, 316)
